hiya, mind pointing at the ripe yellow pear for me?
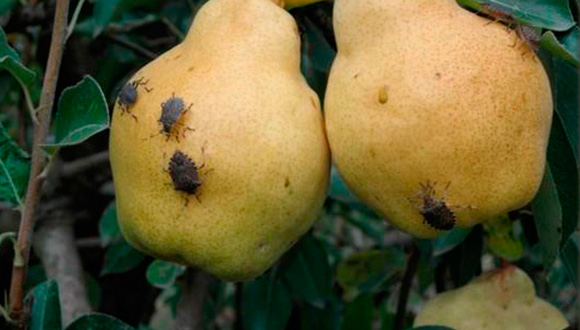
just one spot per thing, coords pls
(254, 164)
(500, 299)
(435, 117)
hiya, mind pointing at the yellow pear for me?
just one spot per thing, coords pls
(220, 159)
(500, 299)
(436, 117)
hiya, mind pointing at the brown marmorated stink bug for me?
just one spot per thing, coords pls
(171, 112)
(435, 211)
(184, 173)
(128, 95)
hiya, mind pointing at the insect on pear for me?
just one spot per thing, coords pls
(435, 211)
(171, 111)
(184, 174)
(128, 95)
(529, 35)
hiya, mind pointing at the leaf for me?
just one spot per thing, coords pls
(328, 318)
(449, 240)
(162, 274)
(109, 231)
(121, 257)
(464, 261)
(562, 147)
(501, 239)
(45, 307)
(6, 6)
(97, 321)
(569, 256)
(365, 271)
(10, 61)
(82, 113)
(306, 272)
(567, 51)
(104, 10)
(549, 14)
(266, 303)
(548, 218)
(359, 314)
(14, 169)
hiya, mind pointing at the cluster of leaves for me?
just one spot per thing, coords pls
(345, 273)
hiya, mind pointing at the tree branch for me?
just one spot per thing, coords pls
(38, 159)
(193, 296)
(412, 264)
(55, 246)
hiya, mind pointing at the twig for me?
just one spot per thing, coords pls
(193, 295)
(55, 246)
(38, 161)
(133, 46)
(412, 263)
(74, 19)
(172, 28)
(75, 167)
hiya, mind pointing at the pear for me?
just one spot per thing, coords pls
(218, 149)
(500, 299)
(436, 117)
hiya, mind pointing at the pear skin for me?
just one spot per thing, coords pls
(436, 117)
(250, 127)
(501, 299)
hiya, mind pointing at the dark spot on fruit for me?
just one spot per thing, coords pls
(434, 210)
(287, 183)
(128, 95)
(383, 94)
(177, 57)
(373, 153)
(356, 75)
(184, 173)
(438, 75)
(190, 69)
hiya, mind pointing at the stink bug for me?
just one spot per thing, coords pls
(529, 35)
(184, 173)
(128, 95)
(171, 111)
(435, 211)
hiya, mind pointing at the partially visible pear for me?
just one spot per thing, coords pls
(425, 93)
(252, 127)
(501, 299)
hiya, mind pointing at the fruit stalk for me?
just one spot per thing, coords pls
(196, 285)
(27, 220)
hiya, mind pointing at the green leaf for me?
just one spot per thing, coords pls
(14, 169)
(5, 49)
(501, 239)
(562, 147)
(103, 13)
(109, 231)
(162, 274)
(121, 257)
(464, 261)
(569, 256)
(328, 318)
(366, 271)
(82, 113)
(45, 313)
(548, 218)
(98, 321)
(568, 51)
(549, 14)
(306, 272)
(6, 6)
(359, 314)
(266, 303)
(449, 240)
